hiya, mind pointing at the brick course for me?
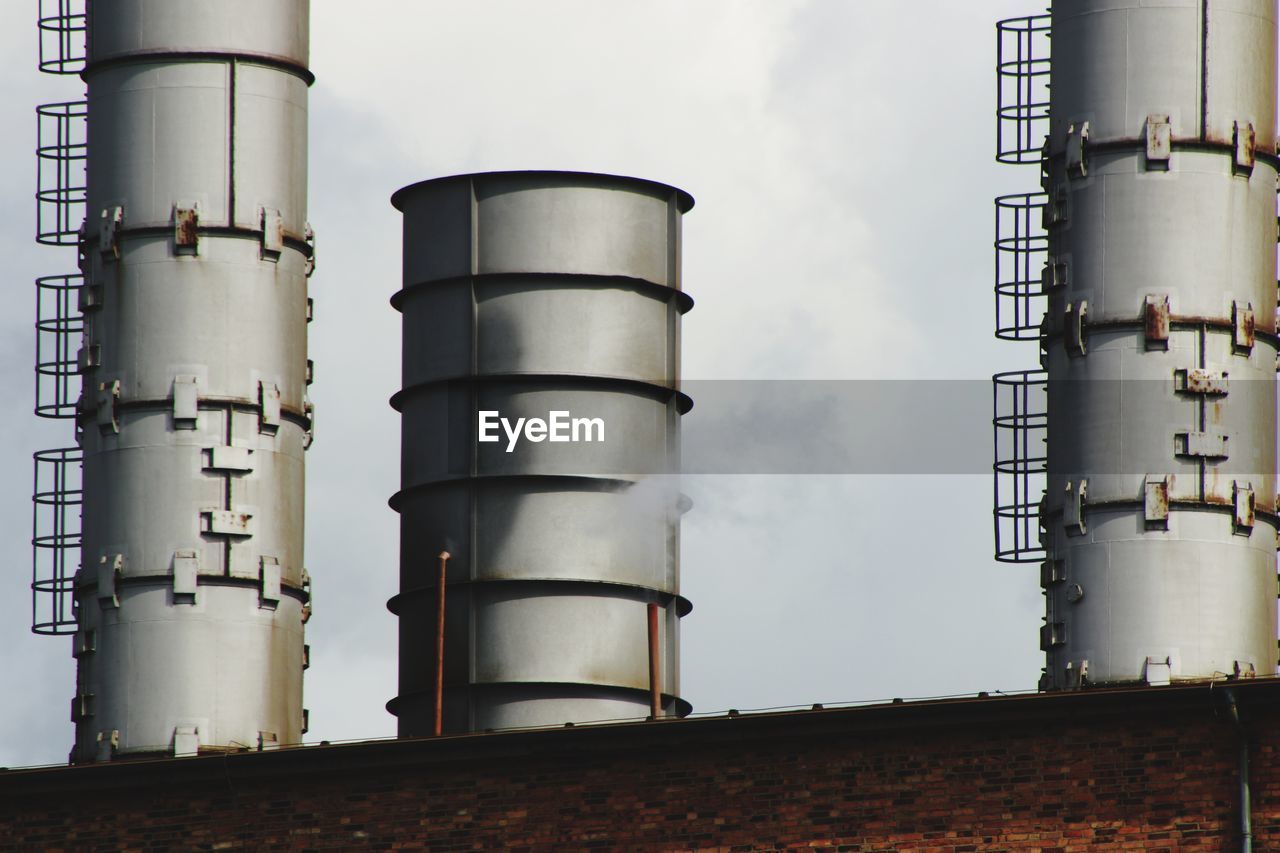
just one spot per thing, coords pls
(1143, 769)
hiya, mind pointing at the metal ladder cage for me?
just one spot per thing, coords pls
(64, 47)
(61, 179)
(1022, 88)
(1020, 422)
(1022, 249)
(59, 329)
(55, 539)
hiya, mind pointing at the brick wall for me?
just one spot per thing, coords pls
(1142, 769)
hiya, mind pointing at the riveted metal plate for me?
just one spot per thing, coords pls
(1198, 380)
(226, 522)
(1209, 445)
(226, 458)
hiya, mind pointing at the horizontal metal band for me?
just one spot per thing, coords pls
(1267, 514)
(291, 241)
(682, 706)
(1139, 143)
(683, 401)
(397, 603)
(207, 403)
(1184, 323)
(280, 63)
(684, 302)
(586, 482)
(166, 580)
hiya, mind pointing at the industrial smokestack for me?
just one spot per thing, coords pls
(191, 596)
(1159, 343)
(547, 297)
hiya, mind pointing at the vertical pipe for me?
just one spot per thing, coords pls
(1246, 810)
(439, 723)
(655, 679)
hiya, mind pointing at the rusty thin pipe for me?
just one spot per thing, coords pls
(439, 726)
(655, 679)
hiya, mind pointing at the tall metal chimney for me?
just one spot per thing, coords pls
(528, 293)
(1158, 250)
(191, 595)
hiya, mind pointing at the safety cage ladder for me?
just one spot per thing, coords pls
(55, 540)
(63, 32)
(1022, 249)
(61, 152)
(59, 332)
(1022, 88)
(1020, 424)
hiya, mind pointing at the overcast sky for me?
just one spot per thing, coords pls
(841, 154)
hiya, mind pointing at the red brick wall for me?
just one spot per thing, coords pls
(1022, 781)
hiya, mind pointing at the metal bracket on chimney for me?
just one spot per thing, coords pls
(269, 597)
(186, 228)
(1052, 635)
(1077, 674)
(1158, 673)
(108, 406)
(1073, 510)
(269, 403)
(186, 571)
(1196, 380)
(1245, 503)
(272, 224)
(1077, 150)
(1244, 138)
(1159, 141)
(1156, 320)
(1055, 275)
(108, 743)
(186, 402)
(186, 741)
(1051, 573)
(1242, 325)
(1155, 502)
(110, 568)
(1075, 337)
(109, 224)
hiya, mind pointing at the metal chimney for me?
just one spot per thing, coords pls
(1155, 257)
(527, 293)
(191, 595)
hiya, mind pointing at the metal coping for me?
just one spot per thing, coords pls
(684, 200)
(850, 719)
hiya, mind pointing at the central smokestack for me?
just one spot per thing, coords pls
(541, 411)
